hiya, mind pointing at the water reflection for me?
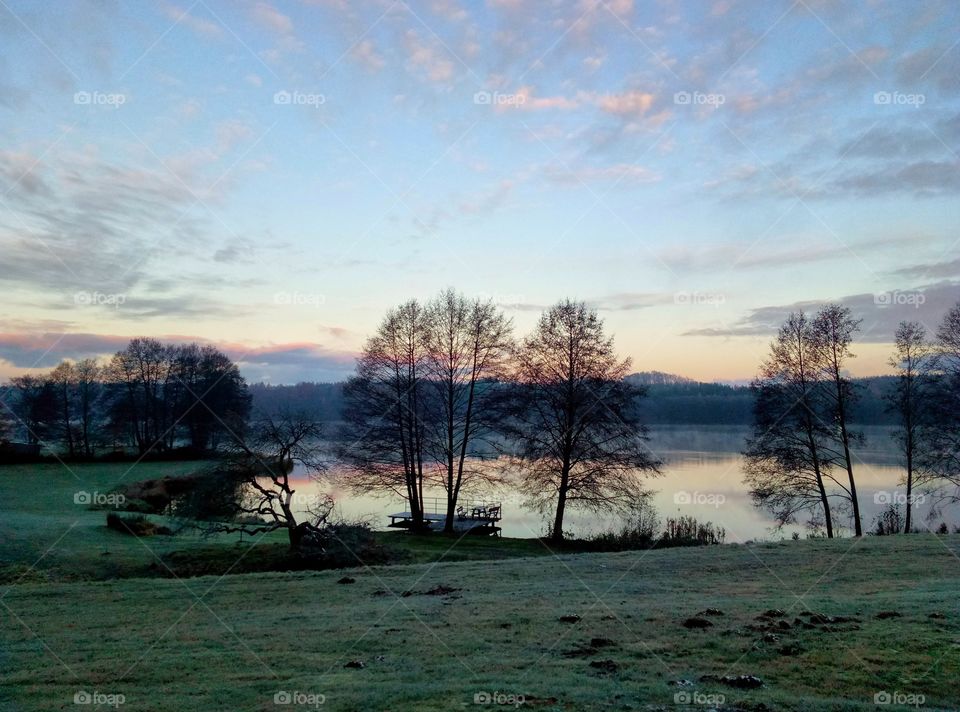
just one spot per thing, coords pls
(702, 477)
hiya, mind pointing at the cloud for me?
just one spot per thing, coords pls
(271, 18)
(626, 104)
(881, 312)
(428, 59)
(624, 173)
(947, 269)
(279, 363)
(487, 201)
(204, 28)
(365, 53)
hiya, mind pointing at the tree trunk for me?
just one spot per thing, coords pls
(907, 523)
(556, 535)
(845, 438)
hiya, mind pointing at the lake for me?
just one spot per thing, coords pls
(702, 476)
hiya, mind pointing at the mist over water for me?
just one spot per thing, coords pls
(702, 477)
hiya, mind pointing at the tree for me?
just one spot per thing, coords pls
(34, 405)
(383, 439)
(141, 372)
(940, 459)
(89, 386)
(832, 332)
(256, 485)
(574, 419)
(466, 344)
(209, 396)
(63, 382)
(788, 457)
(910, 399)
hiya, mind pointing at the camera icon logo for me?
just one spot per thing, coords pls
(282, 697)
(682, 98)
(282, 97)
(82, 697)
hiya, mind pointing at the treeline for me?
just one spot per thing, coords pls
(669, 400)
(800, 456)
(152, 397)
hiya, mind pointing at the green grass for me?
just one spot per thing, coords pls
(233, 642)
(46, 536)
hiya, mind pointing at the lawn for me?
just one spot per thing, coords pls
(462, 618)
(235, 642)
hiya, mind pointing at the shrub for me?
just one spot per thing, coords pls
(136, 526)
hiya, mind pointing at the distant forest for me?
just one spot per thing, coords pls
(670, 400)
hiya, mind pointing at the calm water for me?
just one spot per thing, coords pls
(702, 476)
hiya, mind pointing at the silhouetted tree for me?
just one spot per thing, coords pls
(255, 482)
(788, 457)
(574, 419)
(832, 333)
(940, 458)
(911, 401)
(89, 390)
(34, 404)
(140, 372)
(63, 382)
(466, 344)
(210, 397)
(383, 439)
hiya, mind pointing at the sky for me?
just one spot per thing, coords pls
(271, 177)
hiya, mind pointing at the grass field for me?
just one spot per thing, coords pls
(432, 636)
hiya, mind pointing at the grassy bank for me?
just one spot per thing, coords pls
(235, 642)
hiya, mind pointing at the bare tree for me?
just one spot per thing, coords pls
(575, 419)
(63, 381)
(910, 399)
(34, 404)
(89, 385)
(382, 442)
(467, 343)
(832, 333)
(940, 458)
(141, 371)
(258, 476)
(788, 457)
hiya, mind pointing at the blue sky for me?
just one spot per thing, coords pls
(270, 177)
